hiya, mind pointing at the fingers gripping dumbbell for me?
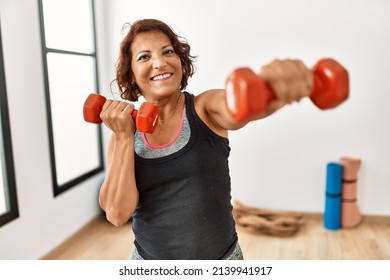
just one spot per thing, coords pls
(145, 118)
(247, 94)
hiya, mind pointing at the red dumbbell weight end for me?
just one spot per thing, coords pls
(145, 118)
(331, 84)
(247, 94)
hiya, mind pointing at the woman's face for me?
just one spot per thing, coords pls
(156, 67)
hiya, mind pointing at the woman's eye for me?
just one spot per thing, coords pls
(143, 57)
(169, 51)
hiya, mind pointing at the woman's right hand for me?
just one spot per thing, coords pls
(116, 115)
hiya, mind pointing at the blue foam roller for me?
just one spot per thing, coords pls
(334, 178)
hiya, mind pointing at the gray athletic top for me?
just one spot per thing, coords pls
(184, 209)
(145, 150)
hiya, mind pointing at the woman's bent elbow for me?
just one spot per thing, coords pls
(119, 215)
(118, 222)
(118, 218)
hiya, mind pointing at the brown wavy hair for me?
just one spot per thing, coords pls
(124, 75)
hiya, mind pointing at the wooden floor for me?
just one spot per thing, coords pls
(99, 240)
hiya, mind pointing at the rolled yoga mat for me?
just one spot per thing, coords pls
(350, 213)
(334, 177)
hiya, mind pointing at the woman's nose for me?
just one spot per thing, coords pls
(159, 62)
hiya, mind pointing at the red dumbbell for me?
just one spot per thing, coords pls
(145, 118)
(247, 94)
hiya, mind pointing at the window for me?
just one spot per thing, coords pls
(8, 201)
(70, 66)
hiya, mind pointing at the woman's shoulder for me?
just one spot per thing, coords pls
(204, 98)
(206, 105)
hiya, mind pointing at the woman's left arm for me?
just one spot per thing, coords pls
(290, 81)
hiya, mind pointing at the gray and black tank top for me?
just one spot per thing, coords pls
(184, 209)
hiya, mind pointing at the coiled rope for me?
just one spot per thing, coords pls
(261, 221)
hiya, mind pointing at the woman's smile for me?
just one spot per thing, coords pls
(161, 77)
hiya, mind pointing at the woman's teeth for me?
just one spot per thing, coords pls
(161, 77)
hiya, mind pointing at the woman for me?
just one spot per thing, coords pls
(175, 182)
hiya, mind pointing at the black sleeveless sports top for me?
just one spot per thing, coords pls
(184, 209)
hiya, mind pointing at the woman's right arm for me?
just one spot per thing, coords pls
(118, 195)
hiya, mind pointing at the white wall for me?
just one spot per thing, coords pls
(280, 162)
(44, 221)
(275, 163)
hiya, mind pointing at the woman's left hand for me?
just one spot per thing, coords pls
(290, 81)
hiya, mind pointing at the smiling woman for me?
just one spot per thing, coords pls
(175, 182)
